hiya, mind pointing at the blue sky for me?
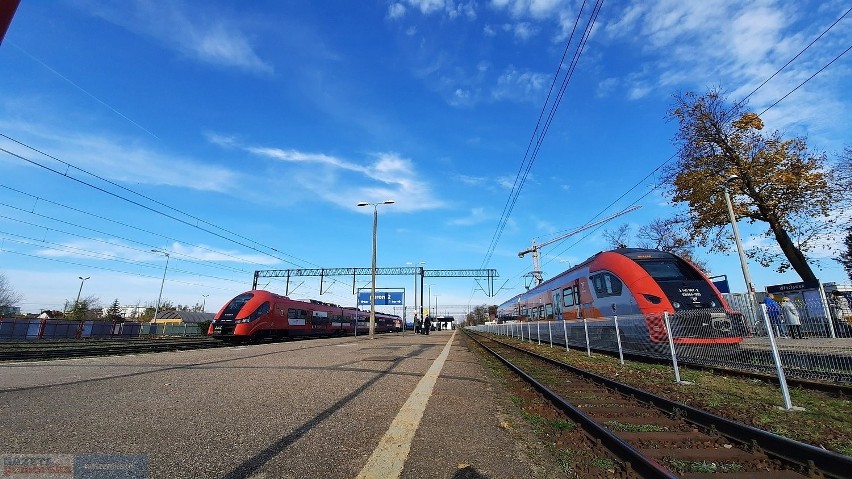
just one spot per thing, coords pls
(255, 128)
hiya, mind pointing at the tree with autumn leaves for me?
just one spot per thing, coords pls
(772, 181)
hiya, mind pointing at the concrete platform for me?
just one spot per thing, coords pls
(410, 406)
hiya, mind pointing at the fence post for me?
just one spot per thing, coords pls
(550, 333)
(776, 356)
(671, 346)
(618, 339)
(565, 330)
(538, 331)
(588, 345)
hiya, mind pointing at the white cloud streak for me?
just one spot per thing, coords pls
(216, 39)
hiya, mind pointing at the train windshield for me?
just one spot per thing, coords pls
(673, 269)
(236, 305)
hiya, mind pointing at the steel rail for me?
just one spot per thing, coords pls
(813, 458)
(633, 458)
(43, 351)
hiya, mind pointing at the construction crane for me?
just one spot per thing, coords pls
(536, 273)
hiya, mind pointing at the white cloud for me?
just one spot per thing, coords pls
(396, 11)
(476, 216)
(212, 38)
(538, 9)
(118, 159)
(344, 182)
(520, 85)
(735, 45)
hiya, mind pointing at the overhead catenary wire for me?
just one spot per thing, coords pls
(540, 131)
(126, 225)
(779, 70)
(149, 208)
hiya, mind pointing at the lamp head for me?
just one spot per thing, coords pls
(362, 203)
(388, 202)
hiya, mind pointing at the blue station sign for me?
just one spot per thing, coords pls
(383, 298)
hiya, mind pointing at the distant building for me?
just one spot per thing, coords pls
(443, 322)
(188, 317)
(10, 311)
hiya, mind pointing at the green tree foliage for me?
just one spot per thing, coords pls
(842, 182)
(85, 309)
(114, 311)
(779, 183)
(845, 257)
(478, 316)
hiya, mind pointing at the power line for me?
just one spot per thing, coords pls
(38, 198)
(103, 190)
(102, 268)
(655, 170)
(535, 143)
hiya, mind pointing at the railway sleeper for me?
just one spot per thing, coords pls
(719, 455)
(663, 422)
(645, 439)
(786, 474)
(619, 411)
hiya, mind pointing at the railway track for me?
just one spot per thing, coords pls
(43, 350)
(654, 437)
(836, 384)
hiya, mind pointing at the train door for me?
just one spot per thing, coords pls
(556, 300)
(585, 300)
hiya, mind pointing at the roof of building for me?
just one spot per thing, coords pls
(186, 316)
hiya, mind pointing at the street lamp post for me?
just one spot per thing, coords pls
(429, 302)
(80, 291)
(162, 283)
(82, 280)
(373, 277)
(743, 263)
(204, 302)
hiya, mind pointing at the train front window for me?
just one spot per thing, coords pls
(236, 304)
(263, 309)
(669, 270)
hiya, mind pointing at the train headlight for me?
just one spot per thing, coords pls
(713, 303)
(676, 304)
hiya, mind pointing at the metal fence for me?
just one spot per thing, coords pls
(49, 329)
(709, 338)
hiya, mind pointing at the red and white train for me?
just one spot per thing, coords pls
(261, 314)
(638, 285)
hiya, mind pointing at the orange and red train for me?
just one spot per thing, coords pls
(638, 285)
(261, 314)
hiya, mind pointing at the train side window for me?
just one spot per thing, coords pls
(568, 298)
(548, 311)
(291, 313)
(523, 311)
(606, 284)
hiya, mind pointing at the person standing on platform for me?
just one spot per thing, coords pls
(774, 312)
(427, 325)
(791, 317)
